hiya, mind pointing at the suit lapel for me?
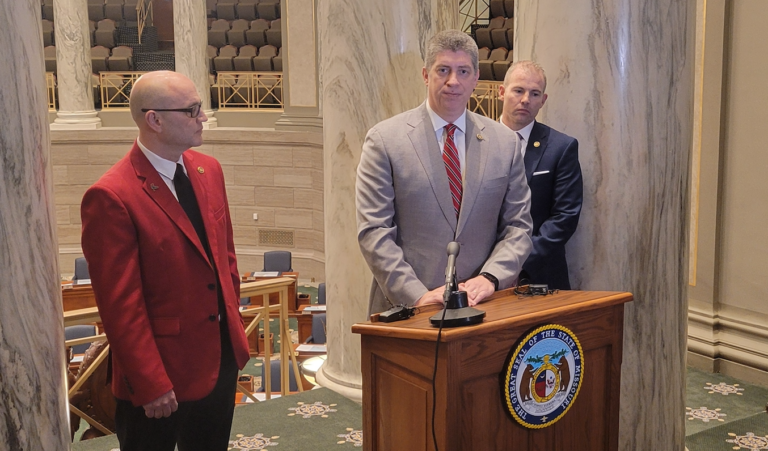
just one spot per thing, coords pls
(476, 156)
(424, 140)
(155, 187)
(533, 153)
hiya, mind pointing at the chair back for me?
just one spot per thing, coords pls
(79, 331)
(275, 375)
(81, 269)
(277, 261)
(318, 328)
(321, 293)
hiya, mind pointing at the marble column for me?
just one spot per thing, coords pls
(190, 34)
(372, 53)
(73, 67)
(620, 80)
(301, 84)
(33, 401)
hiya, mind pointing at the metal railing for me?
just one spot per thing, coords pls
(470, 11)
(485, 100)
(144, 14)
(50, 88)
(250, 90)
(115, 88)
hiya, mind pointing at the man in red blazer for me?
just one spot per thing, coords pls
(157, 236)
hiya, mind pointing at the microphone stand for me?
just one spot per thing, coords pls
(457, 311)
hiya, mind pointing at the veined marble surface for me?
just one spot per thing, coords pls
(190, 34)
(620, 80)
(33, 403)
(299, 28)
(372, 56)
(73, 64)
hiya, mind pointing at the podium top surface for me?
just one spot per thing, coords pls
(504, 310)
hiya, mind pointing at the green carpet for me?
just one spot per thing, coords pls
(723, 413)
(318, 419)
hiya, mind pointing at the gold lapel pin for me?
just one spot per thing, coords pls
(200, 170)
(536, 144)
(480, 137)
(153, 186)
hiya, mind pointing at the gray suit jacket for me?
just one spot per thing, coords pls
(405, 216)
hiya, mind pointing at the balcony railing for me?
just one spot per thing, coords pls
(116, 88)
(250, 90)
(485, 100)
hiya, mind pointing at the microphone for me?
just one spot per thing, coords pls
(450, 269)
(456, 311)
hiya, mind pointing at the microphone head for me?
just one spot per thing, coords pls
(454, 248)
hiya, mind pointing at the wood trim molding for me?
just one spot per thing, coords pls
(728, 337)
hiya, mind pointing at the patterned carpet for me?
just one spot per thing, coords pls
(724, 413)
(318, 419)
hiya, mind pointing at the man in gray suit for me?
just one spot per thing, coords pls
(436, 174)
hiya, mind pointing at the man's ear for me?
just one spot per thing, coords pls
(501, 91)
(153, 121)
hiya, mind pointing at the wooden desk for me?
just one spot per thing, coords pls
(75, 297)
(398, 364)
(293, 305)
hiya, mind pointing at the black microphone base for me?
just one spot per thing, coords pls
(466, 316)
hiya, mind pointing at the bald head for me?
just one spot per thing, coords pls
(158, 89)
(166, 107)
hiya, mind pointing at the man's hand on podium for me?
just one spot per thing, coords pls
(478, 289)
(431, 297)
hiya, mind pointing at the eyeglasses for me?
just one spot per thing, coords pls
(192, 111)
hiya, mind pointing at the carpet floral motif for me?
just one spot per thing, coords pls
(252, 443)
(724, 389)
(750, 441)
(704, 414)
(352, 436)
(318, 409)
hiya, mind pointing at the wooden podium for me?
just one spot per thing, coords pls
(398, 363)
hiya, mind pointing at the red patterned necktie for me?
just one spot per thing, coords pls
(453, 167)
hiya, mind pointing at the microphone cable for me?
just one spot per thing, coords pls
(434, 376)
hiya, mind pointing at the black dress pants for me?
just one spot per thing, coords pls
(203, 425)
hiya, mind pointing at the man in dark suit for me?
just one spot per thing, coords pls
(157, 236)
(436, 174)
(553, 172)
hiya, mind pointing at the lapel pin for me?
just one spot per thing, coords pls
(200, 170)
(536, 144)
(480, 137)
(153, 187)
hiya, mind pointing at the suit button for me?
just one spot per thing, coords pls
(212, 318)
(211, 286)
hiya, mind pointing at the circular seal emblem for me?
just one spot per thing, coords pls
(542, 376)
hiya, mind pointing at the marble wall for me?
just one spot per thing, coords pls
(728, 327)
(372, 56)
(620, 79)
(33, 403)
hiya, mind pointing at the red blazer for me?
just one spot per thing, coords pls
(154, 286)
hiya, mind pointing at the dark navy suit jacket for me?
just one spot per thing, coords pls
(554, 176)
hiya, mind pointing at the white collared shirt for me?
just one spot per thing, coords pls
(438, 124)
(525, 133)
(166, 168)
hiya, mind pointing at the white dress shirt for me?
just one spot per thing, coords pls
(166, 168)
(439, 124)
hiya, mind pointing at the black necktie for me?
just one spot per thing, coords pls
(188, 202)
